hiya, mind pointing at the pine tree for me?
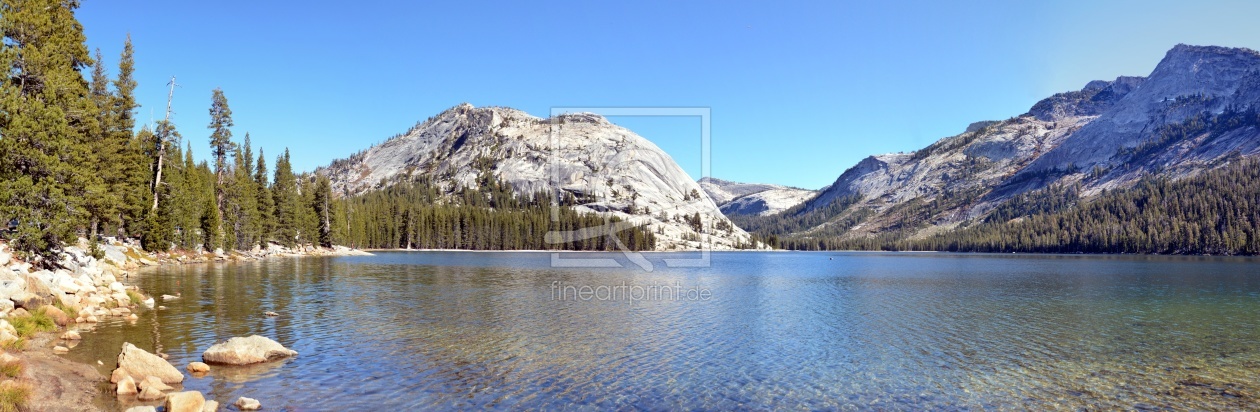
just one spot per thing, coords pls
(46, 117)
(323, 210)
(101, 198)
(220, 146)
(136, 171)
(244, 202)
(266, 204)
(308, 223)
(285, 193)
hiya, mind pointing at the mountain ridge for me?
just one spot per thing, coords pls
(599, 166)
(1189, 114)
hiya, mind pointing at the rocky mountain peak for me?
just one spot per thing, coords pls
(607, 168)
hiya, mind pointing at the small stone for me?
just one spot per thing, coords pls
(19, 312)
(71, 335)
(60, 350)
(151, 394)
(271, 314)
(211, 406)
(198, 367)
(141, 409)
(127, 386)
(190, 401)
(118, 375)
(132, 317)
(248, 404)
(169, 297)
(154, 382)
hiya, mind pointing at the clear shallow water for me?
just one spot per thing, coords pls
(458, 330)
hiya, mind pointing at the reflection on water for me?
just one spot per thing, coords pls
(451, 330)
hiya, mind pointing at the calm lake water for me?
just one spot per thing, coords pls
(817, 331)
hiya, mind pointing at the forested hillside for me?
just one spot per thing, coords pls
(420, 215)
(1216, 212)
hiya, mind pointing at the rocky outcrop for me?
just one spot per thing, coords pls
(735, 198)
(609, 169)
(246, 350)
(140, 364)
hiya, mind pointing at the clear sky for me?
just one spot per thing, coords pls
(799, 91)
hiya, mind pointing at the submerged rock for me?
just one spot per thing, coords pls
(71, 335)
(248, 404)
(198, 367)
(140, 364)
(244, 351)
(190, 401)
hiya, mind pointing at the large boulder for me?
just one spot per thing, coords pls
(58, 316)
(27, 300)
(245, 351)
(115, 255)
(40, 283)
(190, 401)
(11, 284)
(140, 364)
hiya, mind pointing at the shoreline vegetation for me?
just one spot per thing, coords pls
(44, 313)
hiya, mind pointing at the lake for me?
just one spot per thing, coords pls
(753, 330)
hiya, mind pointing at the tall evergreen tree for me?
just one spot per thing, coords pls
(266, 204)
(136, 170)
(102, 194)
(244, 201)
(285, 192)
(220, 146)
(46, 117)
(323, 210)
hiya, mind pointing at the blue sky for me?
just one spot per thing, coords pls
(799, 91)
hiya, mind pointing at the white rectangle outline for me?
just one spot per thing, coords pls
(704, 113)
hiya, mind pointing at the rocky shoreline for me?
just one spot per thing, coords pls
(45, 308)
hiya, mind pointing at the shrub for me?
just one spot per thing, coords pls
(14, 396)
(37, 321)
(12, 369)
